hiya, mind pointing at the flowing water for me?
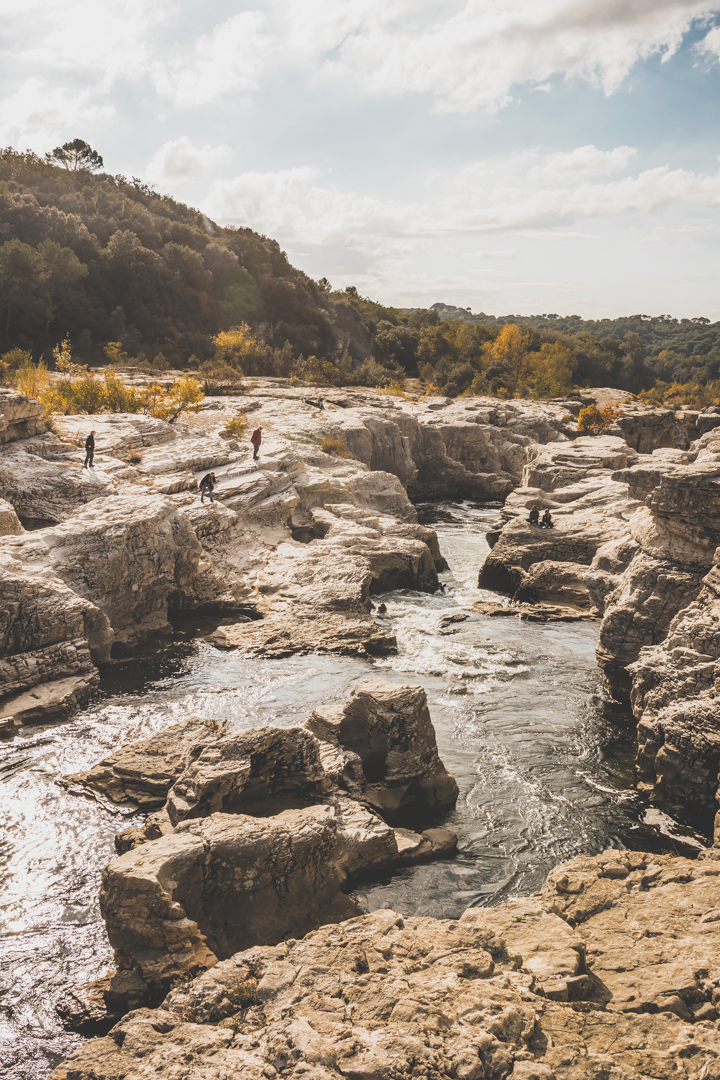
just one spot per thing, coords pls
(544, 773)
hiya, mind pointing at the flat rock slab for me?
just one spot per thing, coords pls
(533, 612)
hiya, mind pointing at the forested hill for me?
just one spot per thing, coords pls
(105, 259)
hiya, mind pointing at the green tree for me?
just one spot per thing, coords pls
(23, 284)
(63, 271)
(76, 156)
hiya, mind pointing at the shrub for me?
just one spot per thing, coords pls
(236, 425)
(396, 388)
(593, 421)
(220, 378)
(135, 459)
(335, 445)
(14, 359)
(167, 403)
(30, 380)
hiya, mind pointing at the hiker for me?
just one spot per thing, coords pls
(547, 521)
(89, 451)
(256, 439)
(534, 518)
(206, 486)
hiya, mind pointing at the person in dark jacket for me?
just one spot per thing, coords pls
(89, 451)
(547, 521)
(534, 518)
(206, 486)
(256, 439)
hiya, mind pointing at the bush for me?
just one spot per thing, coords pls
(15, 358)
(167, 403)
(237, 425)
(220, 378)
(593, 421)
(396, 388)
(28, 379)
(335, 445)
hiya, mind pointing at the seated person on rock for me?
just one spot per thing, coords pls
(547, 521)
(534, 518)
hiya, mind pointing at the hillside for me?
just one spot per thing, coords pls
(105, 259)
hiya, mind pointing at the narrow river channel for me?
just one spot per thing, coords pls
(545, 772)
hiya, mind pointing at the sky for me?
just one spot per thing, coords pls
(511, 156)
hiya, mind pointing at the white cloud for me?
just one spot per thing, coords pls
(180, 160)
(472, 55)
(230, 58)
(504, 253)
(585, 161)
(711, 42)
(300, 205)
(296, 204)
(671, 235)
(111, 40)
(39, 116)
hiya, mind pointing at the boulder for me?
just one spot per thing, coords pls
(260, 831)
(9, 521)
(381, 748)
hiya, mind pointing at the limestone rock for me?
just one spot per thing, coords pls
(20, 416)
(384, 749)
(260, 831)
(117, 434)
(252, 771)
(629, 991)
(49, 640)
(9, 522)
(143, 772)
(47, 491)
(131, 559)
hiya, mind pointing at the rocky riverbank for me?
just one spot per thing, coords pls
(254, 838)
(612, 970)
(635, 542)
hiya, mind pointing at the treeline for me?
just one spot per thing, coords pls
(107, 259)
(128, 274)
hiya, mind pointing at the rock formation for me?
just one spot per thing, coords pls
(612, 970)
(635, 541)
(260, 832)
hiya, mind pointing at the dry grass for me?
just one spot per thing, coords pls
(333, 444)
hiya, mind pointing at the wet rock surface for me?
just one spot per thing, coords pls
(611, 971)
(259, 835)
(635, 540)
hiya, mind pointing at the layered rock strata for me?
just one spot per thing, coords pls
(260, 833)
(636, 542)
(612, 970)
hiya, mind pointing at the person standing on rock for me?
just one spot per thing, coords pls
(206, 486)
(89, 451)
(256, 439)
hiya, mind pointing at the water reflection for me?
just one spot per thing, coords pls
(543, 774)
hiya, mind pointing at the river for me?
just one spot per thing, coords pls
(544, 768)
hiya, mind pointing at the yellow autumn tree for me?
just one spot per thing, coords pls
(510, 348)
(240, 349)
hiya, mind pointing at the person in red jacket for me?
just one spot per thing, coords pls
(256, 439)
